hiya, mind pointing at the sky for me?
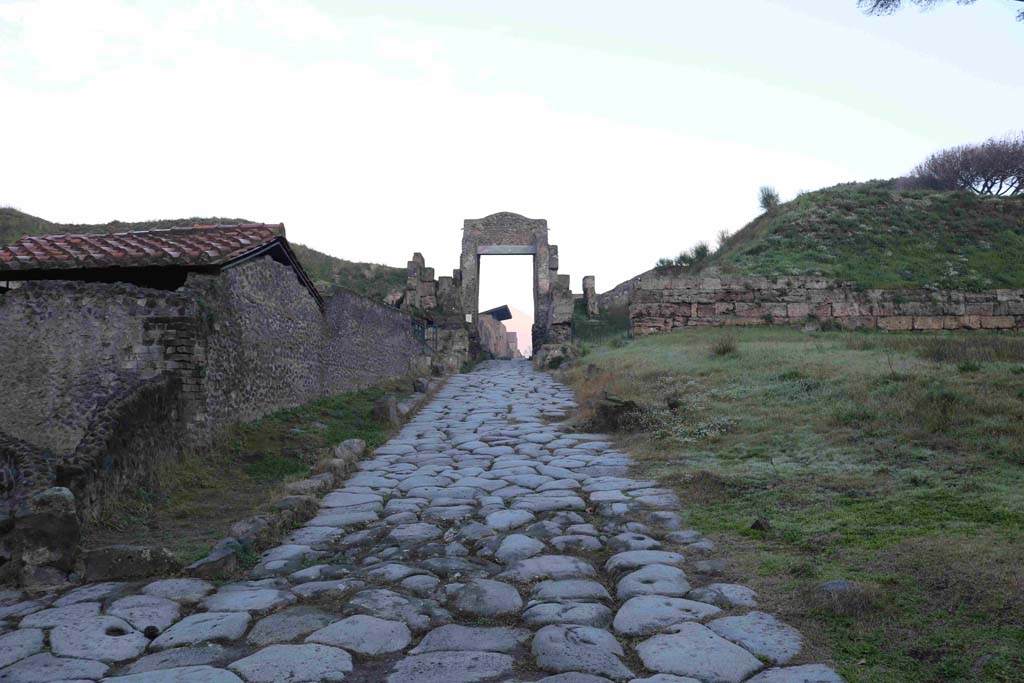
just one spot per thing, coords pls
(372, 128)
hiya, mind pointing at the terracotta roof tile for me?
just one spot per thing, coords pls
(197, 245)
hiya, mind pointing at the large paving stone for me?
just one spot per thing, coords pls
(19, 644)
(569, 589)
(288, 625)
(62, 616)
(45, 668)
(575, 677)
(295, 664)
(389, 605)
(517, 547)
(365, 635)
(414, 533)
(255, 600)
(453, 637)
(725, 595)
(584, 649)
(451, 667)
(635, 559)
(143, 611)
(665, 678)
(186, 674)
(487, 598)
(762, 634)
(185, 591)
(809, 673)
(506, 520)
(201, 627)
(108, 639)
(582, 613)
(95, 592)
(549, 567)
(697, 651)
(648, 614)
(180, 657)
(654, 579)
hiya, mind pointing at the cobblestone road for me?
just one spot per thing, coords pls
(484, 543)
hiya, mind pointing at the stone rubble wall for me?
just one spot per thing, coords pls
(664, 300)
(105, 380)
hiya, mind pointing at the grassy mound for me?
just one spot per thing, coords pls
(369, 279)
(875, 236)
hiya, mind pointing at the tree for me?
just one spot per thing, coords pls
(995, 167)
(890, 6)
(769, 198)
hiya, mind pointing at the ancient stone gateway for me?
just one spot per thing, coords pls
(511, 234)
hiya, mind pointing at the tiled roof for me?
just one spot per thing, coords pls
(194, 246)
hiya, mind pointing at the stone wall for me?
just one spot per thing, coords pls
(104, 381)
(494, 341)
(65, 346)
(366, 343)
(663, 300)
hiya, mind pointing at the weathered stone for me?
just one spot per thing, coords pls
(762, 634)
(647, 614)
(257, 600)
(45, 668)
(288, 625)
(62, 616)
(506, 520)
(108, 639)
(653, 579)
(635, 559)
(486, 598)
(19, 645)
(185, 591)
(188, 674)
(92, 593)
(365, 635)
(202, 627)
(451, 667)
(548, 567)
(453, 637)
(180, 657)
(569, 589)
(295, 664)
(144, 611)
(725, 595)
(579, 648)
(582, 613)
(517, 547)
(696, 651)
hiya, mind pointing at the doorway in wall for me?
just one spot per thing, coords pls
(508, 281)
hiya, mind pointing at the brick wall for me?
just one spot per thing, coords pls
(664, 300)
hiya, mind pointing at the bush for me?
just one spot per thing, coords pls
(725, 345)
(769, 198)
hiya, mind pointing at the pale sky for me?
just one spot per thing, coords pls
(373, 128)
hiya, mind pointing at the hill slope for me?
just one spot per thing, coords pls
(369, 279)
(874, 236)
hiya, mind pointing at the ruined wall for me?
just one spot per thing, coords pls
(65, 346)
(665, 300)
(263, 335)
(366, 343)
(494, 341)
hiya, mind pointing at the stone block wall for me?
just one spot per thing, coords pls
(663, 300)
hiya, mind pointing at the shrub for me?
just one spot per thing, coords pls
(968, 366)
(769, 198)
(725, 345)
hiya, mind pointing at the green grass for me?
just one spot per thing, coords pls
(871, 235)
(201, 495)
(611, 324)
(875, 457)
(369, 279)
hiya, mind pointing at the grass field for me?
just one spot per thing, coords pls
(896, 462)
(203, 494)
